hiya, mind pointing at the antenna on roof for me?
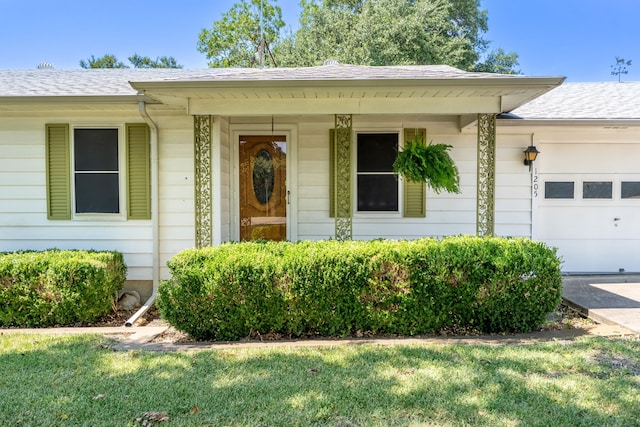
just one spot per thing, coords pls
(263, 47)
(45, 66)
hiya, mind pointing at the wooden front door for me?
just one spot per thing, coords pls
(263, 187)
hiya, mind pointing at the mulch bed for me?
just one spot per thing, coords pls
(563, 318)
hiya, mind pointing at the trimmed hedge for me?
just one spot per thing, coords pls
(338, 288)
(57, 287)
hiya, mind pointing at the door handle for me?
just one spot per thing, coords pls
(288, 197)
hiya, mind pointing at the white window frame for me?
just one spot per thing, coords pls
(354, 178)
(122, 156)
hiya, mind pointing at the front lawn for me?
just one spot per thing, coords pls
(78, 380)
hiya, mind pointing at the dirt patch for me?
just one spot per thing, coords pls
(118, 318)
(562, 318)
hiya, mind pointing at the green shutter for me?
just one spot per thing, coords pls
(58, 172)
(332, 173)
(415, 193)
(138, 171)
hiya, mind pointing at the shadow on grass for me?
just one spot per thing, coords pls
(79, 381)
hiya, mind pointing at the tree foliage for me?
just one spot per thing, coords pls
(498, 61)
(387, 32)
(106, 61)
(160, 62)
(137, 61)
(364, 32)
(233, 41)
(393, 32)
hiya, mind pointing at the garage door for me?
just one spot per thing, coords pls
(590, 211)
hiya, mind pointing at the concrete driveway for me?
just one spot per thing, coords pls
(608, 299)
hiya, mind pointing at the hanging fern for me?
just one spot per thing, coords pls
(431, 163)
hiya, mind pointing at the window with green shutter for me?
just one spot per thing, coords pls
(86, 177)
(375, 190)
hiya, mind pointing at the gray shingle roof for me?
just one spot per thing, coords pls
(97, 82)
(343, 72)
(584, 101)
(115, 82)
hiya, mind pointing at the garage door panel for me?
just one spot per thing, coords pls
(597, 256)
(594, 227)
(588, 222)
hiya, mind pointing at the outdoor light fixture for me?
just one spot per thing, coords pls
(530, 155)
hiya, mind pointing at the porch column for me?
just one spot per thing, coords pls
(342, 167)
(203, 184)
(486, 192)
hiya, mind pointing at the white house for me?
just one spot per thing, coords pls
(150, 162)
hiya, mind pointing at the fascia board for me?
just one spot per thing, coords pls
(484, 82)
(91, 99)
(570, 122)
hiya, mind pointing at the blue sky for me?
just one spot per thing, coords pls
(575, 38)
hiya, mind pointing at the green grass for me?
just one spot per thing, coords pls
(78, 380)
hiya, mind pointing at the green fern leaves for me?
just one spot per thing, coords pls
(431, 163)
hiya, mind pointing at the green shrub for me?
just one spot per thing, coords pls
(58, 287)
(339, 288)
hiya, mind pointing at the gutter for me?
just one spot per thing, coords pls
(507, 82)
(142, 107)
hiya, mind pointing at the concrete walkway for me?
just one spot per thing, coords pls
(611, 299)
(135, 335)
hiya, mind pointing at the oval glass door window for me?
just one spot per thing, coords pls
(263, 176)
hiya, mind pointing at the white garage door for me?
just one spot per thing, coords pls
(590, 211)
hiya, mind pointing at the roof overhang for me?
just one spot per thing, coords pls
(454, 96)
(589, 122)
(73, 103)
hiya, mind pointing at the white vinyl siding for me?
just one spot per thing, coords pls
(23, 201)
(446, 214)
(176, 187)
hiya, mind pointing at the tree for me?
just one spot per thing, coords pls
(233, 41)
(107, 61)
(393, 32)
(160, 62)
(499, 61)
(137, 61)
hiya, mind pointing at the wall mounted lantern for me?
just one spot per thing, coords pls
(530, 155)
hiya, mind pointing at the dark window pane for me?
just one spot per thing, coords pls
(377, 193)
(377, 152)
(558, 190)
(630, 190)
(597, 190)
(97, 193)
(96, 149)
